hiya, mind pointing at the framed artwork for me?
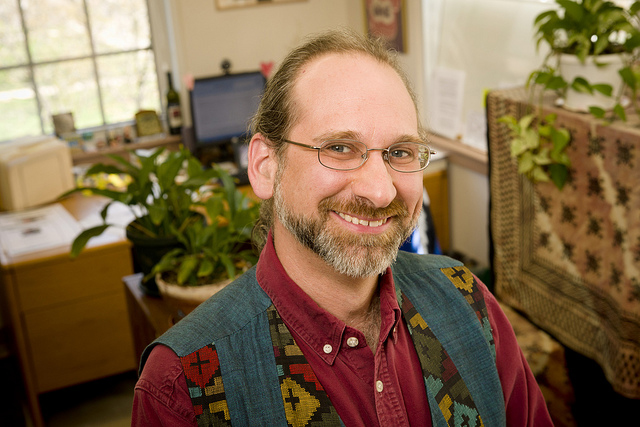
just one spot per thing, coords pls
(63, 123)
(148, 123)
(385, 19)
(232, 4)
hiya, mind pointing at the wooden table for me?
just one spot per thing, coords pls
(150, 316)
(68, 318)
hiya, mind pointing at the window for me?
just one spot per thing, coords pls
(93, 58)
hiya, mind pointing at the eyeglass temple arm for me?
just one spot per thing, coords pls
(301, 144)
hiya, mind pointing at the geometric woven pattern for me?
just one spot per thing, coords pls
(305, 401)
(465, 282)
(570, 259)
(440, 374)
(204, 381)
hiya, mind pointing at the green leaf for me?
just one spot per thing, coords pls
(581, 85)
(157, 212)
(573, 10)
(605, 89)
(206, 268)
(82, 239)
(525, 163)
(525, 121)
(556, 83)
(597, 111)
(559, 174)
(560, 139)
(539, 175)
(187, 267)
(168, 170)
(517, 147)
(99, 168)
(509, 121)
(542, 157)
(228, 264)
(628, 77)
(214, 207)
(619, 111)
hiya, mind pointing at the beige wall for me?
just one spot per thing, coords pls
(204, 35)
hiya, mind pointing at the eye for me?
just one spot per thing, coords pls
(342, 148)
(402, 153)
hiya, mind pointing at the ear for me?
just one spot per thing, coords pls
(262, 166)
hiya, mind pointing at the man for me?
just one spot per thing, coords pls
(330, 327)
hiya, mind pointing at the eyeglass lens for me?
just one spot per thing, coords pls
(348, 154)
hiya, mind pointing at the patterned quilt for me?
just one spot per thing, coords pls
(570, 259)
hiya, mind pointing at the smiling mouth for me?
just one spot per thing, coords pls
(359, 221)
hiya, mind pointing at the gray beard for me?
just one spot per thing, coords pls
(354, 255)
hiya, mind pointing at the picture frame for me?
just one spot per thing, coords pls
(148, 123)
(63, 123)
(235, 4)
(386, 19)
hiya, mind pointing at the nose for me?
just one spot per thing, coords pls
(374, 180)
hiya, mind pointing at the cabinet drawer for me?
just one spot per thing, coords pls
(80, 341)
(64, 280)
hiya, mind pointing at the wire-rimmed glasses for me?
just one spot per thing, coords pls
(349, 154)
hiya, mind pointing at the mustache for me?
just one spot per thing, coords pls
(364, 208)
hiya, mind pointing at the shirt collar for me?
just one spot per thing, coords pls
(321, 330)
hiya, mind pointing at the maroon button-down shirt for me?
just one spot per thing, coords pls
(367, 390)
(385, 388)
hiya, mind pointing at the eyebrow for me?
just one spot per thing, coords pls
(358, 137)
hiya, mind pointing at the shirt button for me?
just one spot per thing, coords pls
(327, 348)
(352, 342)
(379, 386)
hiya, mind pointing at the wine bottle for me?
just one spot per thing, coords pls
(174, 114)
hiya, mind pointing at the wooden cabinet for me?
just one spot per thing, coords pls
(69, 317)
(437, 185)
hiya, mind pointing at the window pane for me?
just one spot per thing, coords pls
(118, 25)
(57, 29)
(129, 83)
(69, 86)
(18, 106)
(12, 46)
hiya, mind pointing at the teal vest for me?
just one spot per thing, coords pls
(243, 367)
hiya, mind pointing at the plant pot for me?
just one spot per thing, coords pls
(146, 252)
(571, 68)
(187, 298)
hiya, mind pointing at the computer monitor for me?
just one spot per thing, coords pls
(222, 106)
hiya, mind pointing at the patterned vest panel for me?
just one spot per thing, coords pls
(253, 373)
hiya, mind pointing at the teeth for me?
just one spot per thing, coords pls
(357, 221)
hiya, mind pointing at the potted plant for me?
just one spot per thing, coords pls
(214, 251)
(587, 41)
(162, 191)
(592, 47)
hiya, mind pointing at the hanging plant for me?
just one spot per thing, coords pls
(540, 148)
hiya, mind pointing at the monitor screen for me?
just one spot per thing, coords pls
(221, 107)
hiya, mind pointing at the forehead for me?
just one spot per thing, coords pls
(344, 90)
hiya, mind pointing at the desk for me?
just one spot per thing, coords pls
(150, 316)
(68, 318)
(570, 259)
